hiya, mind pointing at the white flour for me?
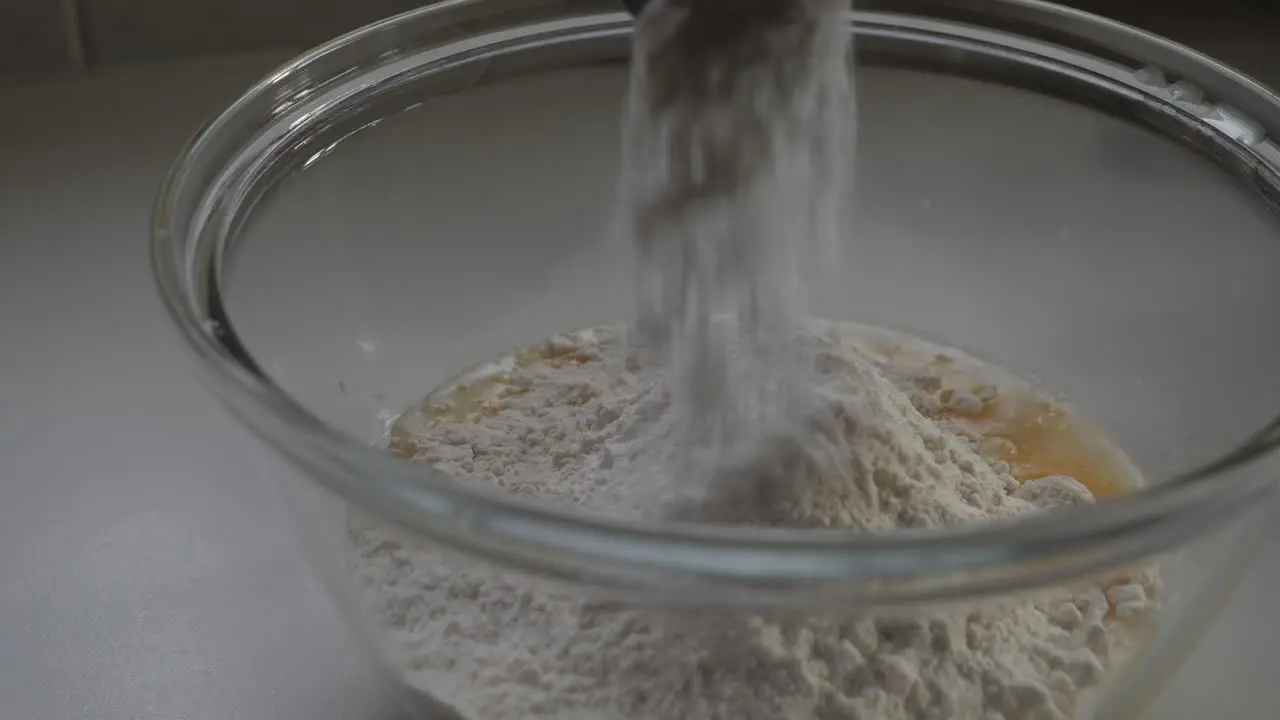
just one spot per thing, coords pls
(579, 421)
(737, 142)
(728, 413)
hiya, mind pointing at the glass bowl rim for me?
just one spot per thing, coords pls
(773, 564)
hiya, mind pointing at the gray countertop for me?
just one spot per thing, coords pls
(146, 575)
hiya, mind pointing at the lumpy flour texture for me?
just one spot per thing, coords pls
(581, 420)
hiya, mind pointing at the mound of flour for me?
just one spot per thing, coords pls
(581, 421)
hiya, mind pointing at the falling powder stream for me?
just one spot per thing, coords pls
(737, 407)
(737, 142)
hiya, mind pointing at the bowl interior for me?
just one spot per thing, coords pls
(1117, 267)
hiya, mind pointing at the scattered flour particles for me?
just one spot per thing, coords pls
(721, 403)
(920, 437)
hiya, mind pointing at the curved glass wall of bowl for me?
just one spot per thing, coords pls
(1064, 233)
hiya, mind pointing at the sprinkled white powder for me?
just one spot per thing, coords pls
(580, 421)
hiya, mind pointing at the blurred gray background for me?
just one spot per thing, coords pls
(144, 570)
(53, 36)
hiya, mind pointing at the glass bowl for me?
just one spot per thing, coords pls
(1074, 200)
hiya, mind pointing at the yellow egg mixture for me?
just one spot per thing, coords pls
(1005, 417)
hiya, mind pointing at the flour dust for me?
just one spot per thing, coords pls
(923, 441)
(724, 402)
(738, 138)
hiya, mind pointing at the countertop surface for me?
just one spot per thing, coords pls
(145, 574)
